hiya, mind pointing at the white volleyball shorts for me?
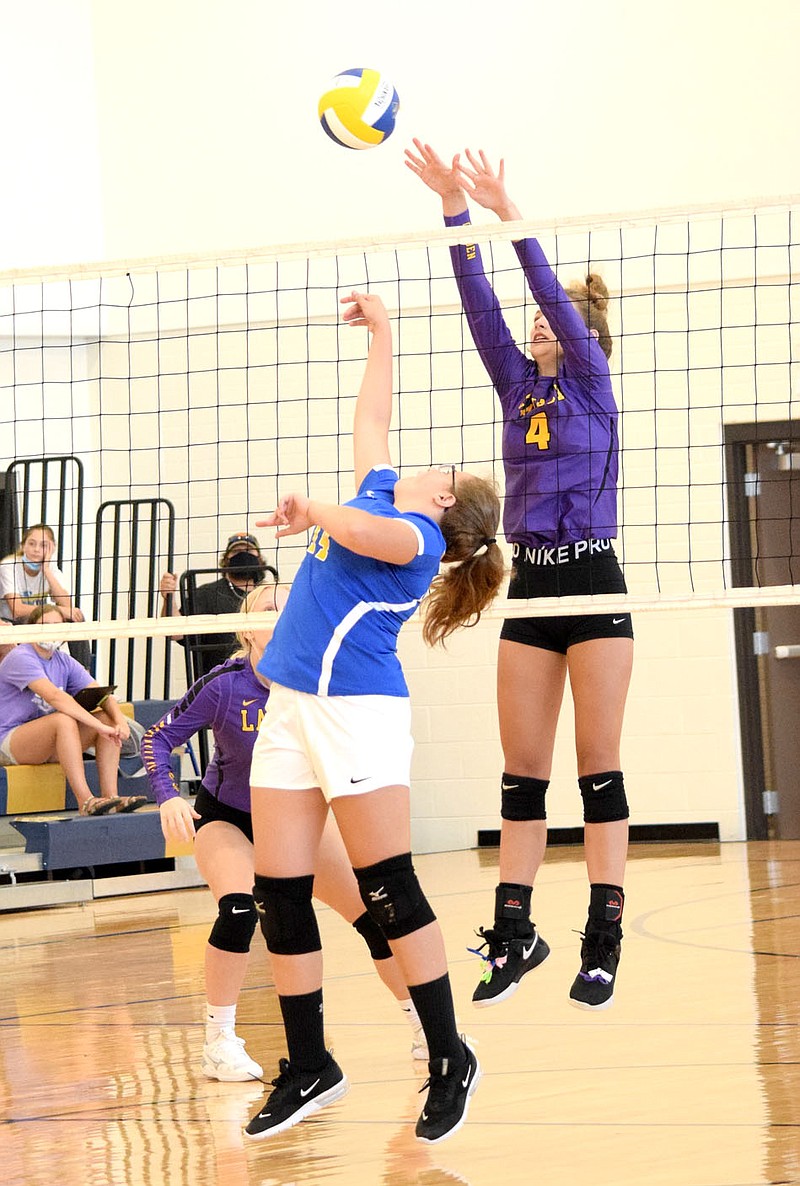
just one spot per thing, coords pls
(346, 745)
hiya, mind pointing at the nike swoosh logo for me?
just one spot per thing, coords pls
(510, 786)
(599, 786)
(616, 621)
(364, 779)
(247, 703)
(527, 952)
(466, 1080)
(308, 1090)
(243, 910)
(424, 1115)
(263, 1115)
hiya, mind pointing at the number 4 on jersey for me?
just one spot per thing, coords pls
(538, 431)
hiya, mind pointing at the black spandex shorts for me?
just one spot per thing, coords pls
(588, 566)
(210, 809)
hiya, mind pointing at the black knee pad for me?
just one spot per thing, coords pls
(523, 798)
(286, 915)
(393, 896)
(604, 798)
(373, 936)
(235, 923)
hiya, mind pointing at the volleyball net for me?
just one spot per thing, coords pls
(211, 386)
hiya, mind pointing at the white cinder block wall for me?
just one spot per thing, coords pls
(680, 751)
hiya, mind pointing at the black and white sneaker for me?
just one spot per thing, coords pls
(505, 963)
(297, 1094)
(593, 987)
(450, 1088)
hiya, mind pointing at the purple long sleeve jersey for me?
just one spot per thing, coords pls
(560, 445)
(230, 701)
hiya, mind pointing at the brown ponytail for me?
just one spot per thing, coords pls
(475, 567)
(591, 301)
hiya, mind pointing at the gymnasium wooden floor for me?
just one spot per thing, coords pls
(692, 1079)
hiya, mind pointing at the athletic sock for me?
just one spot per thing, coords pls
(218, 1018)
(434, 1004)
(409, 1011)
(305, 1033)
(512, 910)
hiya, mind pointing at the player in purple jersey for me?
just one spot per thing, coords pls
(230, 700)
(346, 746)
(560, 459)
(41, 721)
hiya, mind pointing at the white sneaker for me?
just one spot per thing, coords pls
(225, 1059)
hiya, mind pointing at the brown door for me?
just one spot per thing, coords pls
(774, 501)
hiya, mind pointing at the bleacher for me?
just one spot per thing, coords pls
(67, 857)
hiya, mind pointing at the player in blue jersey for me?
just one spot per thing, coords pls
(560, 455)
(337, 734)
(230, 700)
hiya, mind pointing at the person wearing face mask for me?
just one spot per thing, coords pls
(43, 722)
(29, 578)
(242, 568)
(231, 701)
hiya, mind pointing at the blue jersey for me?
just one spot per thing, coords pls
(560, 446)
(337, 633)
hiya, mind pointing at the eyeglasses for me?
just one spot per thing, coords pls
(447, 469)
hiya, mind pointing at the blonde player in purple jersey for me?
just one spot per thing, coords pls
(560, 455)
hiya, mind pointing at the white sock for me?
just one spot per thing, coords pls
(409, 1009)
(218, 1018)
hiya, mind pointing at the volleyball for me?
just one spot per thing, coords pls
(358, 110)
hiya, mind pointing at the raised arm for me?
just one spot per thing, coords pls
(506, 364)
(487, 187)
(373, 414)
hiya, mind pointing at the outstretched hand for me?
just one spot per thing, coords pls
(442, 178)
(290, 517)
(482, 184)
(364, 308)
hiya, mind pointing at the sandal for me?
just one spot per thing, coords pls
(129, 803)
(96, 806)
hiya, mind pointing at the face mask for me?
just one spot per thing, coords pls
(246, 567)
(49, 646)
(33, 565)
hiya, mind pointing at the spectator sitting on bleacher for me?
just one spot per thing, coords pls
(43, 722)
(243, 568)
(29, 578)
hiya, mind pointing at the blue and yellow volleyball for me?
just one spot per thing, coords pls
(359, 108)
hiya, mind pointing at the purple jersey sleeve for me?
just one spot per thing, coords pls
(505, 362)
(584, 360)
(197, 710)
